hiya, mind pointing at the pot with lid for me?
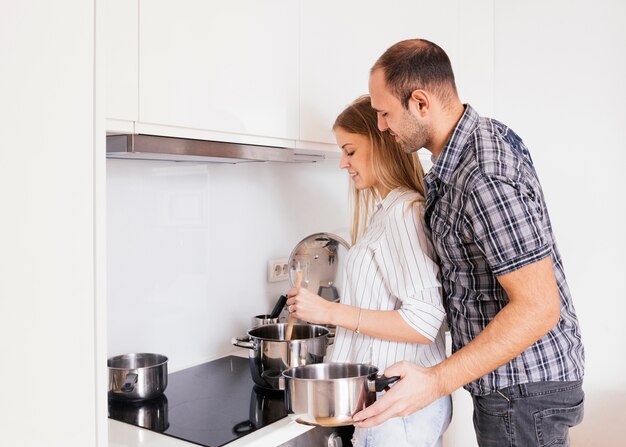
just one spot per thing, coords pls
(319, 257)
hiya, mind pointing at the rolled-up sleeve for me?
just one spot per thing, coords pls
(409, 271)
(507, 224)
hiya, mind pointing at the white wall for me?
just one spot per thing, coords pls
(560, 68)
(188, 246)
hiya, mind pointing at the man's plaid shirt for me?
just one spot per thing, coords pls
(487, 216)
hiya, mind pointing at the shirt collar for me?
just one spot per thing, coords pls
(452, 153)
(390, 198)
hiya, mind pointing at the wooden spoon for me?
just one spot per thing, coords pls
(291, 318)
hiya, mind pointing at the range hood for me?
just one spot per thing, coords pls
(151, 147)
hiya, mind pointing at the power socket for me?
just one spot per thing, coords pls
(277, 270)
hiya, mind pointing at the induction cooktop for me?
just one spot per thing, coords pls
(210, 404)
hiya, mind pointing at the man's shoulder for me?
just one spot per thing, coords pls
(495, 151)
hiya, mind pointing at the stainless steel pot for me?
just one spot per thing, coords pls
(137, 376)
(260, 320)
(270, 354)
(329, 394)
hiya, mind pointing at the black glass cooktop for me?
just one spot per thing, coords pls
(210, 404)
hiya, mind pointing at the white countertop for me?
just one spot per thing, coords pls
(127, 435)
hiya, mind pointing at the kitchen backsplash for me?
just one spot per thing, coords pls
(188, 245)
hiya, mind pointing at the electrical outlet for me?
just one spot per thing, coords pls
(277, 270)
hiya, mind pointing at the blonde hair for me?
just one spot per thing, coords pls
(392, 167)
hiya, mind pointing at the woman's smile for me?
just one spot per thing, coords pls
(356, 158)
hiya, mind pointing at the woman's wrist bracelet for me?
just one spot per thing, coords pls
(358, 323)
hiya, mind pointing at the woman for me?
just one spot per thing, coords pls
(391, 306)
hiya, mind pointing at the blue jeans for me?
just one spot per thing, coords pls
(423, 428)
(531, 414)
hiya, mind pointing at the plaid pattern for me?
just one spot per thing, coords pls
(487, 216)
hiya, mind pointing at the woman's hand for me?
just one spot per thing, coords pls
(309, 307)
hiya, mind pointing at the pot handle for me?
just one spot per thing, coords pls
(243, 342)
(129, 384)
(278, 307)
(381, 383)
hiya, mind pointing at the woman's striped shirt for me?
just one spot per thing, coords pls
(392, 267)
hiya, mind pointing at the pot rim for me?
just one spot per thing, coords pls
(372, 372)
(325, 332)
(163, 360)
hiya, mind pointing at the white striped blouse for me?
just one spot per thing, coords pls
(392, 267)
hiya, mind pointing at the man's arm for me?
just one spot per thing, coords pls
(533, 309)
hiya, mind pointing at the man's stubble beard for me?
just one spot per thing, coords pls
(413, 134)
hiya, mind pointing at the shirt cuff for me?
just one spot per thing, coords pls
(522, 260)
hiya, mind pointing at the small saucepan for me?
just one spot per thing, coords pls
(330, 394)
(139, 376)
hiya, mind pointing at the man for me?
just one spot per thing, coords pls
(515, 336)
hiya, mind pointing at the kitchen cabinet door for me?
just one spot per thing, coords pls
(52, 257)
(227, 67)
(121, 63)
(340, 41)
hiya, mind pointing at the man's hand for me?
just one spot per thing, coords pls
(417, 388)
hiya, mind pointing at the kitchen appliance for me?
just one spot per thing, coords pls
(217, 402)
(270, 352)
(265, 406)
(153, 147)
(137, 376)
(329, 394)
(151, 414)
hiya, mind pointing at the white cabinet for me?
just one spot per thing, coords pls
(121, 63)
(273, 72)
(228, 66)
